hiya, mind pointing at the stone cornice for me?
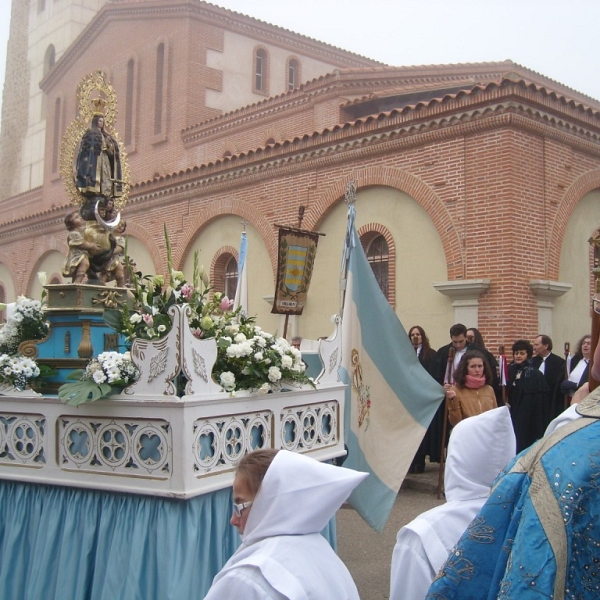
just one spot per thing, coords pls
(556, 108)
(340, 83)
(362, 145)
(211, 15)
(359, 141)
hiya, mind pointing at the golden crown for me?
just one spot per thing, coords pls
(98, 106)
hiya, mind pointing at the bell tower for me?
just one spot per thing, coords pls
(40, 32)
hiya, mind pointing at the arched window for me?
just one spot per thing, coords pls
(2, 301)
(49, 60)
(378, 257)
(129, 99)
(224, 271)
(261, 71)
(56, 139)
(158, 96)
(231, 277)
(293, 74)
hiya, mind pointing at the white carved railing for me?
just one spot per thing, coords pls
(149, 440)
(166, 448)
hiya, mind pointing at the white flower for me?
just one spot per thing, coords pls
(239, 338)
(99, 377)
(228, 381)
(264, 388)
(161, 328)
(258, 356)
(135, 318)
(286, 361)
(274, 374)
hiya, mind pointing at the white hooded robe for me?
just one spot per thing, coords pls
(283, 556)
(479, 448)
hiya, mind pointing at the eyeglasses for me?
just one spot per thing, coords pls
(238, 508)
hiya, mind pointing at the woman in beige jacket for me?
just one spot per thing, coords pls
(471, 393)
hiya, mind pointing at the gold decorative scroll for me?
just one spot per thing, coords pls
(93, 92)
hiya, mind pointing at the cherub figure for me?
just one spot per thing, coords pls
(115, 269)
(78, 261)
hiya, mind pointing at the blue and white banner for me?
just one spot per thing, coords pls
(241, 290)
(390, 398)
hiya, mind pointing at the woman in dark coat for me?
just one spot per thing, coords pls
(528, 396)
(430, 445)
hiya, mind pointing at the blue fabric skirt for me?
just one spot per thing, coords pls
(59, 542)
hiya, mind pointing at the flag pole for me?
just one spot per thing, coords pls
(503, 373)
(567, 353)
(595, 243)
(350, 200)
(448, 378)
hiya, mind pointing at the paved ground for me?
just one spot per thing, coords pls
(368, 554)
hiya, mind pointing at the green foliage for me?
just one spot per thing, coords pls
(79, 392)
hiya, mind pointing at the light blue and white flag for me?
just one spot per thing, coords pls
(241, 290)
(390, 398)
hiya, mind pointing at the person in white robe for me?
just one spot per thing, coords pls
(283, 556)
(479, 448)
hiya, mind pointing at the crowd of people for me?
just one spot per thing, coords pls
(521, 520)
(539, 385)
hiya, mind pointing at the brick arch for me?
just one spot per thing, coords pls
(159, 260)
(366, 234)
(8, 263)
(44, 244)
(33, 273)
(576, 191)
(409, 184)
(226, 207)
(216, 278)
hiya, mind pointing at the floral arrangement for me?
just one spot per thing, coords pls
(26, 323)
(18, 370)
(103, 376)
(247, 357)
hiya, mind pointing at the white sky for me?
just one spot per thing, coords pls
(556, 38)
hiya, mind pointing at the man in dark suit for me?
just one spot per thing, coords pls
(441, 370)
(460, 342)
(553, 369)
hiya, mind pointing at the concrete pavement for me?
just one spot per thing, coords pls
(368, 554)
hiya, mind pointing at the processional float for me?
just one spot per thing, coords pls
(130, 497)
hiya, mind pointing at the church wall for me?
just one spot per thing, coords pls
(236, 63)
(51, 264)
(487, 199)
(487, 222)
(57, 25)
(572, 314)
(226, 231)
(8, 283)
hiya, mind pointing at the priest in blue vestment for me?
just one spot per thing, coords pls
(538, 535)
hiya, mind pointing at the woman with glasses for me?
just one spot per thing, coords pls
(282, 500)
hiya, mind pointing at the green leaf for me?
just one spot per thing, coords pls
(114, 319)
(47, 371)
(76, 375)
(79, 392)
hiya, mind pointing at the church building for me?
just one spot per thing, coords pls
(478, 185)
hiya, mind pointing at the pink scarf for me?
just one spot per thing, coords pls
(474, 383)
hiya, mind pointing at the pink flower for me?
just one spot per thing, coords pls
(196, 332)
(148, 319)
(226, 303)
(187, 290)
